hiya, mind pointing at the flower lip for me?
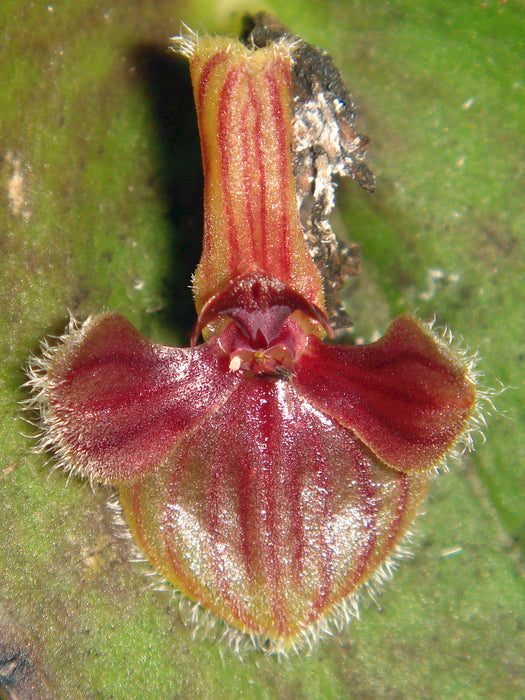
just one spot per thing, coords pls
(259, 306)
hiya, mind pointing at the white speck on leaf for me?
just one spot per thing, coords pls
(16, 189)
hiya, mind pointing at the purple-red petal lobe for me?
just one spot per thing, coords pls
(407, 396)
(117, 403)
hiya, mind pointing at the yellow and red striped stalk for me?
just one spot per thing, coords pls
(251, 217)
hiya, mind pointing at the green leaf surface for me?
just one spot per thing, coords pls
(101, 207)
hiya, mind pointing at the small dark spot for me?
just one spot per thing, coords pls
(14, 668)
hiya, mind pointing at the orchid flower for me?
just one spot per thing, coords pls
(265, 472)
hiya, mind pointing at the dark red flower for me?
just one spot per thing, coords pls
(264, 472)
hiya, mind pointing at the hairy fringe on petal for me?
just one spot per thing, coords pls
(206, 626)
(484, 407)
(36, 409)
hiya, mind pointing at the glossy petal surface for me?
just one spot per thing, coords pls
(407, 396)
(269, 513)
(267, 500)
(117, 403)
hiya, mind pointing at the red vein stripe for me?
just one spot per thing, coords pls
(281, 132)
(366, 565)
(325, 535)
(252, 178)
(329, 591)
(269, 490)
(201, 89)
(215, 499)
(237, 249)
